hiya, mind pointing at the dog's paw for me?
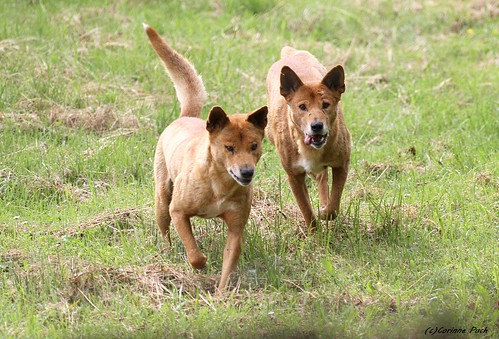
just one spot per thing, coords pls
(198, 261)
(328, 213)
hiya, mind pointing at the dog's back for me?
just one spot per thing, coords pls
(188, 84)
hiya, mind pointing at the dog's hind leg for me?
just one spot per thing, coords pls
(163, 197)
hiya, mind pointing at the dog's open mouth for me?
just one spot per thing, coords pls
(316, 140)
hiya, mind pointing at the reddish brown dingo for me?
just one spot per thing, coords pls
(204, 168)
(307, 127)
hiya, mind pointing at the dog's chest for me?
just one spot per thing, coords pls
(309, 161)
(216, 208)
(310, 166)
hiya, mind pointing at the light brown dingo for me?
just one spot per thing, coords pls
(204, 168)
(307, 127)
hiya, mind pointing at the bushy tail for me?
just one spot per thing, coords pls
(188, 84)
(287, 51)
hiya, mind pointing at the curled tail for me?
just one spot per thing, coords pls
(188, 84)
(287, 51)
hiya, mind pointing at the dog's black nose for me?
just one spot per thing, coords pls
(247, 172)
(316, 126)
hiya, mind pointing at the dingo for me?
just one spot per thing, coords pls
(204, 168)
(307, 127)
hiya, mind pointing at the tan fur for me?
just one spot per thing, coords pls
(204, 168)
(309, 137)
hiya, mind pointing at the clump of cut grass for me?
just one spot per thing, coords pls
(156, 282)
(118, 220)
(99, 120)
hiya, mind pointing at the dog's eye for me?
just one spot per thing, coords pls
(254, 147)
(230, 149)
(325, 105)
(303, 107)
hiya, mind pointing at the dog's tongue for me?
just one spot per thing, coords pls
(312, 138)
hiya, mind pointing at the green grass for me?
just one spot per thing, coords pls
(83, 99)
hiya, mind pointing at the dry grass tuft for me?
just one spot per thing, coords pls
(366, 192)
(155, 282)
(97, 120)
(55, 187)
(6, 175)
(266, 209)
(117, 220)
(9, 258)
(123, 216)
(487, 178)
(8, 45)
(484, 9)
(23, 120)
(379, 169)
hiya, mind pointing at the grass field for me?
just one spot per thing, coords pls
(83, 99)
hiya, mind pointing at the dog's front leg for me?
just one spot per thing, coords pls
(235, 224)
(333, 206)
(322, 183)
(184, 229)
(299, 189)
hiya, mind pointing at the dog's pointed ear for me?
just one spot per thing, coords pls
(259, 117)
(217, 119)
(290, 82)
(335, 79)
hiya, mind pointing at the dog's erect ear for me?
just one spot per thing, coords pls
(290, 82)
(217, 119)
(259, 117)
(335, 79)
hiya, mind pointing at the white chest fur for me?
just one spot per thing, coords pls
(309, 166)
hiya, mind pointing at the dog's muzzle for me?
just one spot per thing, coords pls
(317, 135)
(243, 175)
